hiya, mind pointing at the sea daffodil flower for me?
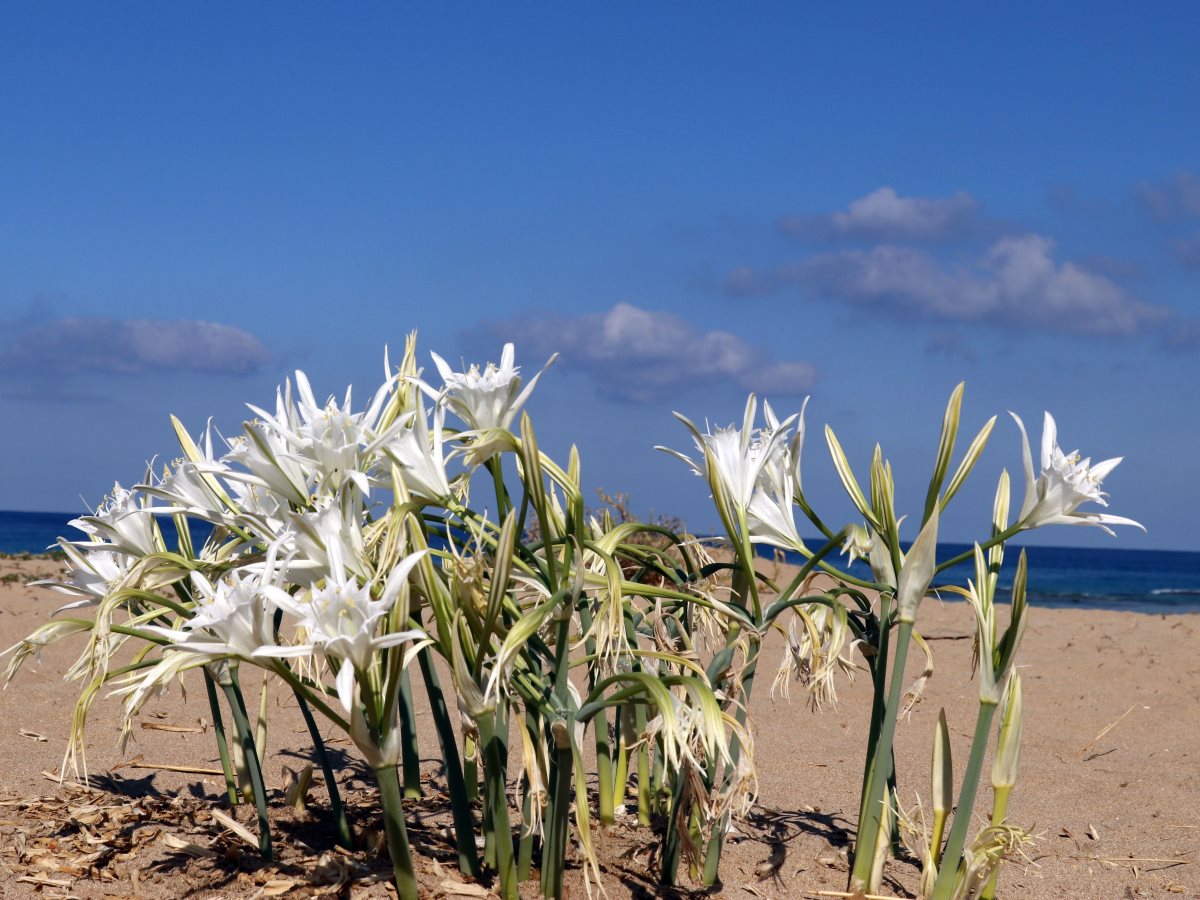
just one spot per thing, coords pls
(488, 399)
(121, 524)
(420, 452)
(231, 617)
(1066, 481)
(750, 473)
(339, 620)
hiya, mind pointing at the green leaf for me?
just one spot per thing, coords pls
(842, 465)
(501, 573)
(999, 522)
(945, 449)
(968, 461)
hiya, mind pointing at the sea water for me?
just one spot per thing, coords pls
(1151, 581)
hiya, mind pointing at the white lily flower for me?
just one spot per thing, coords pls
(420, 453)
(1065, 483)
(486, 399)
(231, 620)
(121, 524)
(339, 620)
(191, 486)
(752, 469)
(231, 617)
(328, 541)
(266, 453)
(340, 444)
(769, 515)
(92, 574)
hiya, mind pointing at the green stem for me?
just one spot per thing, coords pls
(343, 835)
(471, 768)
(999, 814)
(998, 538)
(671, 841)
(242, 723)
(873, 816)
(503, 503)
(410, 755)
(712, 856)
(397, 835)
(936, 835)
(555, 850)
(948, 871)
(222, 742)
(879, 681)
(496, 798)
(458, 788)
(645, 788)
(525, 843)
(624, 720)
(604, 759)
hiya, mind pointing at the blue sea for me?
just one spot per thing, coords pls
(1150, 581)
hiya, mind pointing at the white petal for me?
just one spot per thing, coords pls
(1049, 440)
(345, 685)
(1101, 470)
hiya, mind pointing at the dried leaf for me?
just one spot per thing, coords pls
(25, 732)
(45, 882)
(276, 887)
(295, 786)
(164, 726)
(235, 826)
(191, 848)
(462, 889)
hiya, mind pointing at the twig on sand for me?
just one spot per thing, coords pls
(1106, 729)
(189, 770)
(167, 726)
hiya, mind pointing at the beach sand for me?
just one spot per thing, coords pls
(1115, 811)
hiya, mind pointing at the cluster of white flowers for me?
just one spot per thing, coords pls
(754, 473)
(291, 504)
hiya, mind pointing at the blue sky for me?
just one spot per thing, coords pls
(688, 201)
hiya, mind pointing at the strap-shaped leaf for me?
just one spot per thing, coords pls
(968, 461)
(501, 571)
(1007, 650)
(842, 465)
(999, 522)
(945, 450)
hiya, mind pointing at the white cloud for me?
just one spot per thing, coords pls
(1016, 283)
(639, 356)
(66, 346)
(884, 215)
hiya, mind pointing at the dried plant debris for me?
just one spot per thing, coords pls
(102, 844)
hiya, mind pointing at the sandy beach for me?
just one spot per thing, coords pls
(1110, 778)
